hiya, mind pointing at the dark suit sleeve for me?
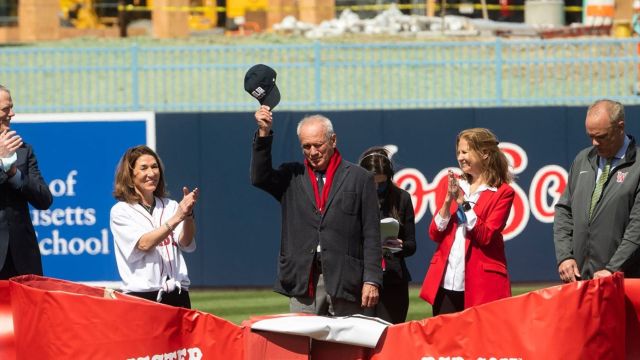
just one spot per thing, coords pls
(263, 175)
(34, 189)
(3, 177)
(408, 226)
(629, 242)
(371, 232)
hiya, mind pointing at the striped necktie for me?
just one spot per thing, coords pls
(597, 192)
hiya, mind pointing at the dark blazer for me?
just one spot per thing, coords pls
(16, 229)
(348, 230)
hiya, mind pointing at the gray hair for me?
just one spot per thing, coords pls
(5, 89)
(614, 109)
(328, 126)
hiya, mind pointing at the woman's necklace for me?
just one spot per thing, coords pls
(149, 208)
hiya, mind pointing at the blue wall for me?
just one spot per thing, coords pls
(239, 225)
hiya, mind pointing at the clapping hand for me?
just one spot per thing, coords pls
(10, 141)
(189, 199)
(453, 189)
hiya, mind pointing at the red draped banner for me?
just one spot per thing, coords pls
(54, 319)
(581, 320)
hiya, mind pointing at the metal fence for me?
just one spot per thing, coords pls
(323, 76)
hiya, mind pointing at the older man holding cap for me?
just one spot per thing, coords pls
(330, 254)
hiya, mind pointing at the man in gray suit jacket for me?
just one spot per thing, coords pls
(597, 221)
(330, 251)
(20, 185)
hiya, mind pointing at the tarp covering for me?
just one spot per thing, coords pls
(632, 302)
(7, 339)
(56, 319)
(581, 320)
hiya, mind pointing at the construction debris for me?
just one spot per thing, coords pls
(389, 22)
(393, 22)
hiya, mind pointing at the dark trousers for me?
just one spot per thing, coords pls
(9, 269)
(181, 299)
(393, 304)
(448, 301)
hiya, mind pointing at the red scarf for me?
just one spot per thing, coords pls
(321, 200)
(335, 160)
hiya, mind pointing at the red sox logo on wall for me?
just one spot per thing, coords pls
(546, 187)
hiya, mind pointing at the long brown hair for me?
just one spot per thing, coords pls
(495, 166)
(124, 188)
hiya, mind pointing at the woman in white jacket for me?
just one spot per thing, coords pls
(150, 231)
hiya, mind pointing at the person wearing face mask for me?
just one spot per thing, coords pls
(21, 185)
(469, 266)
(330, 252)
(151, 231)
(394, 203)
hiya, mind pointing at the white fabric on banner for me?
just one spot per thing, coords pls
(356, 330)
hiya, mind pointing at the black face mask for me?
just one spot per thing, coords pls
(382, 187)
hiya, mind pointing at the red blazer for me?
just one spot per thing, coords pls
(486, 278)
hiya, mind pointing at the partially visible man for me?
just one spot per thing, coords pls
(20, 185)
(597, 222)
(330, 252)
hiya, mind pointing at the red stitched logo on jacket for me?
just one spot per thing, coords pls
(620, 176)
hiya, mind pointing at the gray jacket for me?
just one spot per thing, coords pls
(609, 240)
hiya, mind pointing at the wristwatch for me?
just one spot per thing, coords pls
(466, 206)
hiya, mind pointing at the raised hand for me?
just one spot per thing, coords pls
(264, 119)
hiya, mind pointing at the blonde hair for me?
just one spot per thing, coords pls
(495, 166)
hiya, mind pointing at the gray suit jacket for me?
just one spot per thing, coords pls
(610, 239)
(348, 230)
(16, 229)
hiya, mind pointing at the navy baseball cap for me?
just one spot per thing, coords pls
(260, 82)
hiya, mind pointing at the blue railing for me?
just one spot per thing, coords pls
(323, 76)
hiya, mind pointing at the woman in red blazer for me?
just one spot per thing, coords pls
(469, 266)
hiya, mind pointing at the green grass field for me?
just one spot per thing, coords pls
(239, 305)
